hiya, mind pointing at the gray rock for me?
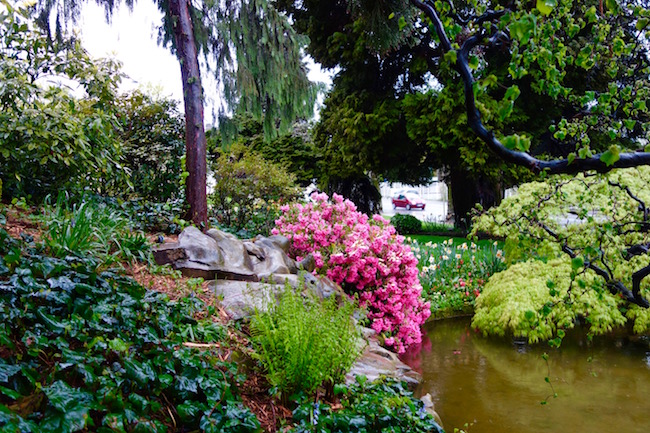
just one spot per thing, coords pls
(240, 299)
(169, 253)
(200, 248)
(430, 408)
(233, 251)
(376, 361)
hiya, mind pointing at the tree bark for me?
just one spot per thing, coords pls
(195, 143)
(468, 190)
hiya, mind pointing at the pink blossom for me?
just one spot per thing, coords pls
(365, 256)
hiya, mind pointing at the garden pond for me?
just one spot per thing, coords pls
(489, 385)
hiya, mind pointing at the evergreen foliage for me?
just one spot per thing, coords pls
(249, 191)
(406, 224)
(383, 405)
(50, 140)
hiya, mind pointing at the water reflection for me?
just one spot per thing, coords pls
(602, 385)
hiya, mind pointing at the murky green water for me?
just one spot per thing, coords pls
(497, 386)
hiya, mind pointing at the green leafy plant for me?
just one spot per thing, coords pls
(248, 191)
(406, 224)
(50, 140)
(303, 342)
(91, 227)
(85, 350)
(152, 131)
(383, 405)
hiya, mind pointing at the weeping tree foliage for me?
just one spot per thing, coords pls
(582, 243)
(253, 53)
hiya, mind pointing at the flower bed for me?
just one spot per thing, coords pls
(453, 275)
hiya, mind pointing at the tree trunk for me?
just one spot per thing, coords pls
(467, 190)
(195, 144)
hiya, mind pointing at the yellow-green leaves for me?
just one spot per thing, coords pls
(516, 142)
(585, 58)
(524, 28)
(611, 155)
(546, 6)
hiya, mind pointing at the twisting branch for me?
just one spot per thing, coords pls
(557, 166)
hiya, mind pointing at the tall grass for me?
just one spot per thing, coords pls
(88, 227)
(303, 342)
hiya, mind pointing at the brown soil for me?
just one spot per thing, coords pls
(271, 414)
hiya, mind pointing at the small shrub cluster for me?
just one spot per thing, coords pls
(86, 350)
(380, 406)
(406, 224)
(304, 343)
(365, 256)
(248, 190)
(454, 275)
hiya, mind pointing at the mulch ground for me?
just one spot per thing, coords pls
(271, 414)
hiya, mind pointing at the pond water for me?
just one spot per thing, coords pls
(497, 386)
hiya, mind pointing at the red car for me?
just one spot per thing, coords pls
(408, 199)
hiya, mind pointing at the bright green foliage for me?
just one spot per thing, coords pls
(295, 151)
(383, 405)
(48, 139)
(581, 64)
(248, 191)
(304, 342)
(532, 300)
(453, 274)
(92, 228)
(153, 135)
(598, 218)
(85, 350)
(406, 224)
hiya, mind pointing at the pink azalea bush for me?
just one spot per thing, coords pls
(363, 255)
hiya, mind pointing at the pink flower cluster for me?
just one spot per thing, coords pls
(363, 255)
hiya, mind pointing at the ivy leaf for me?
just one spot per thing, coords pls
(516, 142)
(473, 61)
(611, 155)
(571, 157)
(584, 59)
(512, 93)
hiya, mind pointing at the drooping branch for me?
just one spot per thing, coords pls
(556, 166)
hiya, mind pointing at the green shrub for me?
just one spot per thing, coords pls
(84, 350)
(303, 342)
(532, 300)
(50, 140)
(153, 133)
(380, 406)
(248, 191)
(406, 224)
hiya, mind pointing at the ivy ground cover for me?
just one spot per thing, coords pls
(86, 349)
